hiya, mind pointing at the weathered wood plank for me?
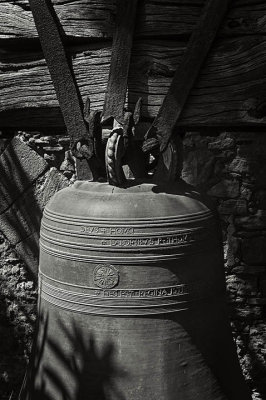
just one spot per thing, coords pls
(79, 18)
(230, 90)
(95, 19)
(184, 79)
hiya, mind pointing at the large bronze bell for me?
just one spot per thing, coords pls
(132, 298)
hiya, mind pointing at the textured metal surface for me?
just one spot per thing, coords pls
(133, 301)
(132, 297)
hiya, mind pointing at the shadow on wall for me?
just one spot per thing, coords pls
(26, 184)
(250, 336)
(249, 305)
(232, 167)
(68, 371)
(258, 368)
(17, 296)
(21, 202)
(17, 320)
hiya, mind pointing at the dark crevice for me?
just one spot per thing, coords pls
(172, 3)
(23, 5)
(243, 4)
(77, 44)
(33, 44)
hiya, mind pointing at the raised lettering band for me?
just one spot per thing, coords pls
(142, 301)
(118, 241)
(153, 241)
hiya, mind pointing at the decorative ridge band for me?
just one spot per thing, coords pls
(127, 244)
(119, 260)
(64, 283)
(59, 217)
(100, 231)
(125, 302)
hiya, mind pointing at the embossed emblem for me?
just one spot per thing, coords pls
(105, 276)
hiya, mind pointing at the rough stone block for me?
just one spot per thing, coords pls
(249, 269)
(225, 189)
(222, 144)
(41, 142)
(245, 192)
(68, 163)
(232, 206)
(53, 149)
(254, 250)
(21, 222)
(22, 218)
(54, 182)
(252, 222)
(193, 140)
(248, 312)
(258, 342)
(261, 173)
(28, 250)
(241, 166)
(244, 137)
(20, 166)
(260, 199)
(50, 158)
(3, 144)
(262, 285)
(246, 150)
(257, 301)
(64, 141)
(197, 166)
(241, 287)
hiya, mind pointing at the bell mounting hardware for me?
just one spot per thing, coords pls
(85, 127)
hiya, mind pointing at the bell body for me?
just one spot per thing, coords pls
(132, 298)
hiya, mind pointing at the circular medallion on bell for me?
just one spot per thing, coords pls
(105, 276)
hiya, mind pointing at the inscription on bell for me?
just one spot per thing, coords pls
(170, 240)
(140, 293)
(101, 230)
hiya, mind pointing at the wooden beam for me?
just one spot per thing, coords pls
(83, 19)
(185, 76)
(230, 90)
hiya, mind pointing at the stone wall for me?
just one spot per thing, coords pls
(231, 167)
(32, 169)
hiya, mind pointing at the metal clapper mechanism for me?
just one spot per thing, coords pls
(88, 129)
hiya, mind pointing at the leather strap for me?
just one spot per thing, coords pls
(114, 103)
(121, 52)
(185, 76)
(63, 79)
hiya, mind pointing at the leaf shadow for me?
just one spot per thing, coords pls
(71, 365)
